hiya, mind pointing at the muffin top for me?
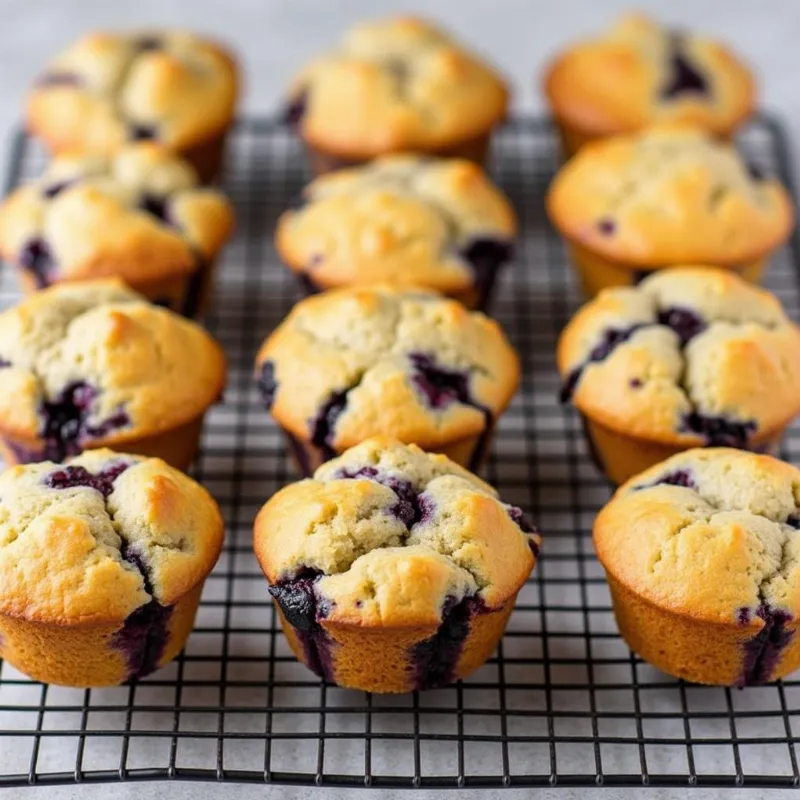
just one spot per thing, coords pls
(436, 223)
(93, 540)
(669, 195)
(394, 85)
(354, 363)
(639, 72)
(112, 88)
(139, 215)
(390, 534)
(691, 356)
(712, 534)
(94, 364)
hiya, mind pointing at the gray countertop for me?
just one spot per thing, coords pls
(274, 37)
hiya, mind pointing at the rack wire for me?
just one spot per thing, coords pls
(562, 702)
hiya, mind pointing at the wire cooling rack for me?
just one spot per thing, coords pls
(563, 702)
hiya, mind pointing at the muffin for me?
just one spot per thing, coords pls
(398, 85)
(638, 73)
(111, 88)
(411, 221)
(138, 215)
(702, 555)
(671, 195)
(91, 365)
(350, 364)
(102, 563)
(392, 569)
(690, 357)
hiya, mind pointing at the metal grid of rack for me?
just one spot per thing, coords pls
(563, 701)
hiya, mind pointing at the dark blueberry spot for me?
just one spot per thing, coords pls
(303, 608)
(719, 431)
(147, 44)
(523, 523)
(680, 477)
(55, 189)
(635, 383)
(411, 507)
(266, 383)
(38, 260)
(744, 615)
(157, 206)
(440, 386)
(611, 338)
(143, 637)
(794, 521)
(295, 110)
(606, 226)
(435, 660)
(54, 79)
(686, 323)
(65, 428)
(322, 426)
(683, 76)
(763, 651)
(69, 477)
(141, 133)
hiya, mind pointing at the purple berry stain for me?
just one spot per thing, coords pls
(610, 340)
(606, 226)
(144, 635)
(685, 322)
(36, 258)
(763, 652)
(435, 660)
(323, 425)
(683, 78)
(65, 429)
(678, 477)
(266, 384)
(719, 431)
(70, 477)
(303, 608)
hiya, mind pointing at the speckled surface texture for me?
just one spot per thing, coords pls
(274, 37)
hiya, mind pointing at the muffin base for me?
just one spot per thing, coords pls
(695, 650)
(469, 452)
(476, 298)
(177, 446)
(620, 456)
(383, 660)
(89, 655)
(322, 161)
(597, 273)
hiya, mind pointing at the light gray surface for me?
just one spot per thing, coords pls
(273, 37)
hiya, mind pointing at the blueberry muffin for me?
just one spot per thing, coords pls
(102, 563)
(397, 85)
(392, 569)
(138, 215)
(702, 554)
(671, 195)
(90, 365)
(350, 364)
(411, 221)
(638, 73)
(111, 88)
(690, 357)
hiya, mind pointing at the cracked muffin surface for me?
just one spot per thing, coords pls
(691, 356)
(354, 363)
(395, 85)
(388, 537)
(436, 223)
(668, 195)
(139, 215)
(101, 560)
(111, 88)
(91, 364)
(713, 537)
(639, 72)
